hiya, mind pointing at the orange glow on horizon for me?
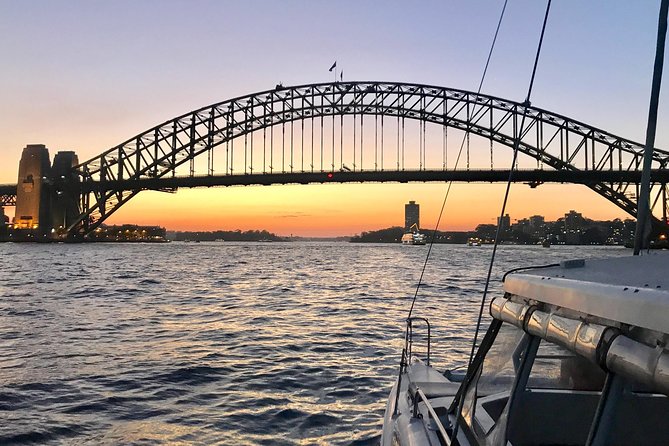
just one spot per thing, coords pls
(326, 210)
(348, 209)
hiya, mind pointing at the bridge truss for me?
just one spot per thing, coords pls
(7, 195)
(356, 128)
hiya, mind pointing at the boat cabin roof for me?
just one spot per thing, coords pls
(631, 290)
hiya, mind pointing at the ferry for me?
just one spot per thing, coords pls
(413, 238)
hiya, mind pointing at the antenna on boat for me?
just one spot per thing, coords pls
(643, 219)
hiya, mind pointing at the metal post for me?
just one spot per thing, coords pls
(600, 430)
(522, 376)
(643, 212)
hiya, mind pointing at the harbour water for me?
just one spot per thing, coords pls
(226, 343)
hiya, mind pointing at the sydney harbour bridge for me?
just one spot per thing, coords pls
(350, 132)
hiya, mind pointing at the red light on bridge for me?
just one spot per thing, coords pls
(330, 175)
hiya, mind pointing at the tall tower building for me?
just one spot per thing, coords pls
(504, 223)
(32, 197)
(411, 215)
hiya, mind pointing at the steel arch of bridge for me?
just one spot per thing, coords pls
(558, 142)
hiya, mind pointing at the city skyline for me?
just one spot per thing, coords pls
(73, 91)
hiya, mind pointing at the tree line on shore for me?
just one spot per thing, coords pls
(232, 236)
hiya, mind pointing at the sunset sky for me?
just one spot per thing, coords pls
(87, 75)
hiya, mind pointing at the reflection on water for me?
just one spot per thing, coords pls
(283, 343)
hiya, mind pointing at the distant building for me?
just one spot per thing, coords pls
(32, 197)
(411, 215)
(574, 221)
(504, 223)
(523, 225)
(537, 222)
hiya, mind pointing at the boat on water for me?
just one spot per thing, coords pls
(413, 238)
(473, 241)
(575, 354)
(546, 243)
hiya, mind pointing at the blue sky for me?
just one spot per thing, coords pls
(86, 75)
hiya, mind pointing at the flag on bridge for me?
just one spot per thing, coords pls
(334, 65)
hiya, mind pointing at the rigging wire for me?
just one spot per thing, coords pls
(503, 210)
(508, 183)
(450, 183)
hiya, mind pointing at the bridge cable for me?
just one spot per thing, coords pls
(355, 121)
(333, 129)
(292, 132)
(232, 152)
(376, 142)
(398, 141)
(362, 132)
(450, 183)
(382, 116)
(403, 141)
(341, 140)
(251, 150)
(312, 141)
(264, 149)
(444, 143)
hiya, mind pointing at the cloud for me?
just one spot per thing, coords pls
(294, 215)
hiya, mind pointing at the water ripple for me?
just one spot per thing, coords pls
(224, 343)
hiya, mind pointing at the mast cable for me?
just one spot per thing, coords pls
(450, 183)
(503, 210)
(508, 183)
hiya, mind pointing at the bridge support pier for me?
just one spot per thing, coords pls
(65, 195)
(47, 196)
(33, 204)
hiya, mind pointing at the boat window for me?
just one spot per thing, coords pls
(560, 402)
(489, 392)
(556, 368)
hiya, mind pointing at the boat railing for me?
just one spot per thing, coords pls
(409, 338)
(418, 397)
(407, 351)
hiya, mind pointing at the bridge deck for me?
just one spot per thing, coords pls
(533, 176)
(488, 176)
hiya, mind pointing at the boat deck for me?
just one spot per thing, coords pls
(632, 290)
